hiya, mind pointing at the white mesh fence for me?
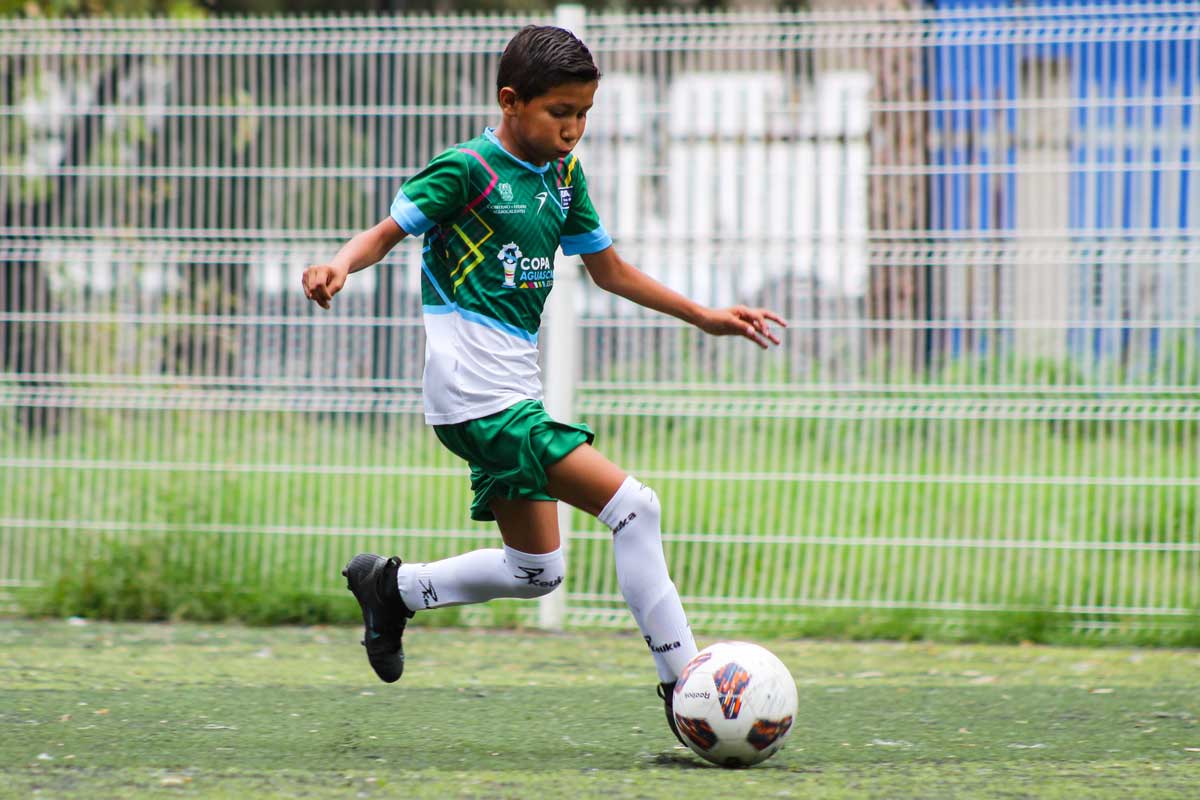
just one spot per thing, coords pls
(979, 225)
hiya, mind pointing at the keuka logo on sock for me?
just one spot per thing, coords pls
(662, 648)
(632, 516)
(533, 574)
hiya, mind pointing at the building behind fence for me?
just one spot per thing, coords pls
(979, 222)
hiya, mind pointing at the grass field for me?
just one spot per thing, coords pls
(762, 517)
(131, 710)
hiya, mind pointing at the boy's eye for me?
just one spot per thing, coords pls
(558, 113)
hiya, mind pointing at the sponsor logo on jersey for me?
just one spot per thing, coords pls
(541, 198)
(505, 204)
(564, 197)
(524, 272)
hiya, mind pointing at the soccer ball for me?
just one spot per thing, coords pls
(735, 704)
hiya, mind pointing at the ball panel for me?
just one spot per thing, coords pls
(698, 732)
(697, 660)
(731, 681)
(765, 732)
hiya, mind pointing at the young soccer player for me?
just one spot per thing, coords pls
(493, 210)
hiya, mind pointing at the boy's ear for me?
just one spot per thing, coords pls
(507, 97)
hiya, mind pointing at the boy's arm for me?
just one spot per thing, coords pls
(322, 281)
(613, 274)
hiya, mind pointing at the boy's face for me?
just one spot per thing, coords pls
(550, 125)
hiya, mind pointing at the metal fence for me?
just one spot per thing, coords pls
(980, 224)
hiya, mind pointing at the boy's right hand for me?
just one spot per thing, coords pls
(322, 282)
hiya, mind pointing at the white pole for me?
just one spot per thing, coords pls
(562, 361)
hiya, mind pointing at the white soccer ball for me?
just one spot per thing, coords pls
(735, 704)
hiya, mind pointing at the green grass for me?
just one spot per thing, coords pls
(126, 710)
(165, 578)
(893, 513)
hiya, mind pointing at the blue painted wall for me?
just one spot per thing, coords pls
(1133, 134)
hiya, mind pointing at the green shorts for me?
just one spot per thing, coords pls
(509, 451)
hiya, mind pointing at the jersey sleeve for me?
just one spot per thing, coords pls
(433, 195)
(582, 232)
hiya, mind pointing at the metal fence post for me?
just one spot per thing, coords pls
(562, 361)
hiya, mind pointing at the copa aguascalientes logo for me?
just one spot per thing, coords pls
(509, 255)
(536, 272)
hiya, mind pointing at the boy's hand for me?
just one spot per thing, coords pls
(742, 321)
(322, 282)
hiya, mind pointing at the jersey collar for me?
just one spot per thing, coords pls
(490, 135)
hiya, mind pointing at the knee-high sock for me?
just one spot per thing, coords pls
(479, 576)
(634, 515)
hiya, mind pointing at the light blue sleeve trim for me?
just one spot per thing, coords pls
(433, 282)
(408, 216)
(592, 242)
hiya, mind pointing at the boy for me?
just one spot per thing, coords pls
(493, 210)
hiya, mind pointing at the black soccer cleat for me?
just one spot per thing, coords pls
(372, 579)
(667, 692)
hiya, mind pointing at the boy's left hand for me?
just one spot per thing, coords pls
(742, 321)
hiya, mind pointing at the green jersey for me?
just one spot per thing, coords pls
(492, 224)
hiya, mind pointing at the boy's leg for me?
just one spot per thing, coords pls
(592, 483)
(504, 451)
(389, 591)
(530, 564)
(530, 526)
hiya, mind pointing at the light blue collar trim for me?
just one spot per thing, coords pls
(490, 135)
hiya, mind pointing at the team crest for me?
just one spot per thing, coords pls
(509, 255)
(564, 197)
(506, 193)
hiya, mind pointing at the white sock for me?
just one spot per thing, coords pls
(634, 515)
(479, 576)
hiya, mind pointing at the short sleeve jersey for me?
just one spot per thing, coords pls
(492, 224)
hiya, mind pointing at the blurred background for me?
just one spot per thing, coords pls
(978, 217)
(199, 8)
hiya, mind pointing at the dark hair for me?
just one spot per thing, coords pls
(541, 57)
